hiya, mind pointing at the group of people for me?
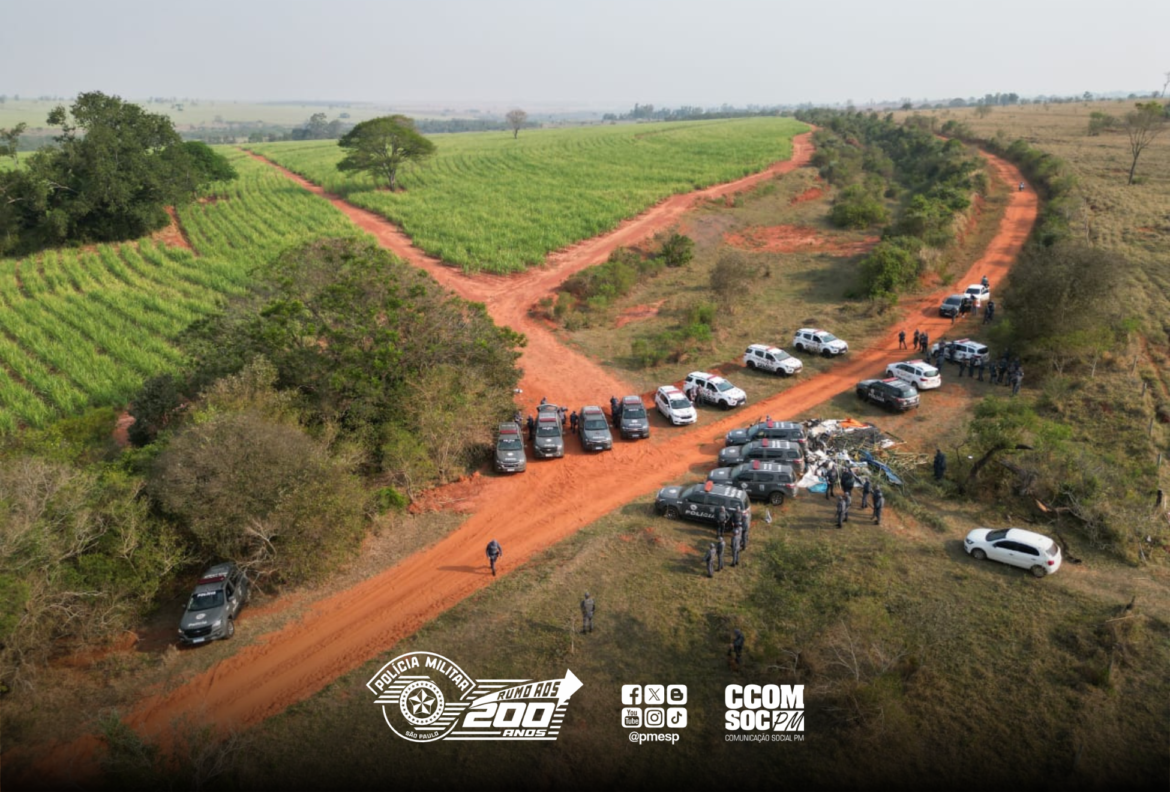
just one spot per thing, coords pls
(738, 525)
(562, 415)
(921, 341)
(850, 481)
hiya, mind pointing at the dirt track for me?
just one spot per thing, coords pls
(340, 633)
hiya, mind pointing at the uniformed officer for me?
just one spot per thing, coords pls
(962, 368)
(587, 606)
(613, 409)
(720, 546)
(737, 645)
(879, 502)
(722, 518)
(940, 464)
(830, 481)
(736, 541)
(747, 526)
(848, 481)
(494, 551)
(842, 510)
(573, 422)
(864, 492)
(710, 559)
(531, 427)
(901, 339)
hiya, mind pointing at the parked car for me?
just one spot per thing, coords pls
(765, 450)
(770, 481)
(700, 502)
(962, 349)
(674, 405)
(714, 389)
(891, 393)
(773, 430)
(951, 305)
(819, 342)
(594, 430)
(977, 291)
(220, 594)
(510, 457)
(773, 359)
(634, 422)
(549, 439)
(918, 373)
(1015, 546)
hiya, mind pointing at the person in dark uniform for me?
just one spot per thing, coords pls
(720, 546)
(722, 519)
(587, 607)
(710, 559)
(830, 481)
(736, 540)
(842, 510)
(879, 502)
(940, 464)
(737, 645)
(917, 338)
(494, 551)
(614, 410)
(746, 521)
(531, 427)
(865, 492)
(573, 422)
(901, 339)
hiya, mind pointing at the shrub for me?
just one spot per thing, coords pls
(891, 266)
(677, 250)
(857, 208)
(389, 498)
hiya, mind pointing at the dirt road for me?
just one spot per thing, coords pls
(340, 633)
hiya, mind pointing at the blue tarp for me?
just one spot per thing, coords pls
(891, 475)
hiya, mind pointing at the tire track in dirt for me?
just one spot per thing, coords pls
(341, 632)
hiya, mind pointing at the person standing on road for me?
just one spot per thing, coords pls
(710, 559)
(720, 547)
(830, 481)
(925, 343)
(940, 464)
(842, 511)
(613, 409)
(494, 551)
(722, 518)
(587, 606)
(848, 482)
(917, 338)
(531, 428)
(573, 419)
(865, 492)
(901, 339)
(736, 539)
(879, 502)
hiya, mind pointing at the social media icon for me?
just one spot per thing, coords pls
(631, 717)
(655, 717)
(676, 695)
(655, 694)
(632, 695)
(676, 718)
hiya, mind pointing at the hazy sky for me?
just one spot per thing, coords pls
(596, 53)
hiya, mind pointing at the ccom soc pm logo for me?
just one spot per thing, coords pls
(425, 697)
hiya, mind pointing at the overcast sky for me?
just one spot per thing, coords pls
(595, 53)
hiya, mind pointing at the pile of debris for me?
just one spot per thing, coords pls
(862, 447)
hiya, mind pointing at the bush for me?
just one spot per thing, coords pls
(677, 250)
(731, 277)
(389, 498)
(891, 266)
(857, 208)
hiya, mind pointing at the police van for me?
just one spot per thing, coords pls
(701, 502)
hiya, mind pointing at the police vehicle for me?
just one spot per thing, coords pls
(822, 342)
(674, 405)
(716, 390)
(891, 393)
(548, 441)
(784, 451)
(594, 430)
(510, 457)
(700, 502)
(220, 594)
(770, 481)
(773, 359)
(963, 349)
(951, 305)
(634, 422)
(773, 430)
(918, 373)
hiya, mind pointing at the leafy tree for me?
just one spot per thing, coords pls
(1142, 126)
(113, 170)
(1101, 122)
(677, 250)
(856, 207)
(891, 266)
(10, 139)
(381, 146)
(731, 278)
(516, 120)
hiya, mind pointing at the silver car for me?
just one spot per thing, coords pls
(211, 612)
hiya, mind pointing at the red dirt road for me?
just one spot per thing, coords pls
(340, 633)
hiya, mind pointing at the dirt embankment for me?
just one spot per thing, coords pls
(341, 632)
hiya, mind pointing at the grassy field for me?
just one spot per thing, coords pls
(490, 202)
(957, 688)
(82, 328)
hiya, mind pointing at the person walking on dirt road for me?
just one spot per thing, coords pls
(494, 551)
(587, 607)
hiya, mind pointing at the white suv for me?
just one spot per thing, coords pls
(1015, 546)
(918, 373)
(977, 291)
(770, 358)
(962, 349)
(819, 341)
(716, 390)
(674, 405)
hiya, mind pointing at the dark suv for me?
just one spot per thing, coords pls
(700, 501)
(894, 394)
(510, 457)
(548, 441)
(634, 422)
(782, 451)
(773, 430)
(218, 597)
(594, 430)
(768, 481)
(951, 305)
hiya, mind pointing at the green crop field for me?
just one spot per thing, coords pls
(81, 328)
(487, 201)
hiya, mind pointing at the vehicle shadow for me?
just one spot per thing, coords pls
(472, 570)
